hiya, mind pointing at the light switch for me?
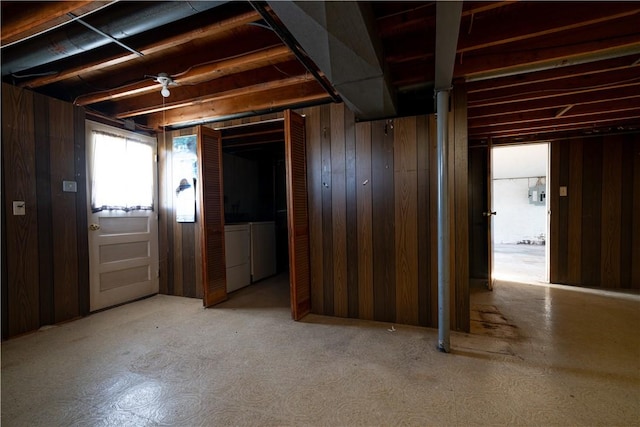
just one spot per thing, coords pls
(563, 191)
(19, 207)
(69, 186)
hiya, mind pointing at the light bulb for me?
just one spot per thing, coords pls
(165, 92)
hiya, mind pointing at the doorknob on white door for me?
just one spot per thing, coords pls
(488, 213)
(94, 227)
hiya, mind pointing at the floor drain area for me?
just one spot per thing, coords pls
(487, 320)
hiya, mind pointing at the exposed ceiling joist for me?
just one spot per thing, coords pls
(568, 111)
(554, 124)
(507, 26)
(122, 23)
(26, 21)
(419, 16)
(543, 89)
(256, 101)
(473, 8)
(197, 74)
(569, 72)
(579, 47)
(584, 98)
(185, 93)
(536, 64)
(219, 96)
(157, 47)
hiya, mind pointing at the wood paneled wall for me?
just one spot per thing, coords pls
(372, 216)
(45, 261)
(595, 229)
(179, 243)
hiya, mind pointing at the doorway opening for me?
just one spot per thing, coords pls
(255, 213)
(520, 227)
(509, 229)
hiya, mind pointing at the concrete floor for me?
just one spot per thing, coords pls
(541, 355)
(519, 263)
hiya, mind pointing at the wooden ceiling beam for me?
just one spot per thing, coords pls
(197, 74)
(554, 74)
(476, 7)
(187, 37)
(606, 106)
(542, 19)
(22, 19)
(521, 135)
(556, 87)
(607, 40)
(418, 19)
(514, 100)
(584, 98)
(538, 126)
(423, 17)
(567, 111)
(209, 88)
(290, 81)
(251, 102)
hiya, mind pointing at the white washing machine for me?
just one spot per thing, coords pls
(263, 249)
(237, 245)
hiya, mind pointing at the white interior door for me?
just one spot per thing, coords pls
(123, 219)
(489, 214)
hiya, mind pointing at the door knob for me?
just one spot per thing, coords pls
(94, 227)
(488, 213)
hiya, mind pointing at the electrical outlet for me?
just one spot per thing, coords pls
(19, 207)
(69, 186)
(563, 191)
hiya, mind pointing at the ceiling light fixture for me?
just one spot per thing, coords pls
(165, 80)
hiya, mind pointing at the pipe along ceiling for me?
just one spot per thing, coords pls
(73, 39)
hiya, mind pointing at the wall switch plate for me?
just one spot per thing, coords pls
(69, 186)
(563, 191)
(19, 207)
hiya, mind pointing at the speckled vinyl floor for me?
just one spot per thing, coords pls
(538, 356)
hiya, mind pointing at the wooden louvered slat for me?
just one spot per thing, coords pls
(298, 215)
(211, 216)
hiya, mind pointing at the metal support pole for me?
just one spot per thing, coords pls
(442, 112)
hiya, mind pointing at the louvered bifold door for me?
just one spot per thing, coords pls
(211, 216)
(297, 215)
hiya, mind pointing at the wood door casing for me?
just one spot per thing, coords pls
(211, 219)
(298, 220)
(478, 224)
(490, 214)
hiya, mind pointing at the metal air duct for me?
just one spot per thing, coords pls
(341, 38)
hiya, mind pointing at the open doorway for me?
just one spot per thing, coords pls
(255, 211)
(212, 213)
(509, 229)
(520, 227)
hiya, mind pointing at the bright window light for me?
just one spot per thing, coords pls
(122, 173)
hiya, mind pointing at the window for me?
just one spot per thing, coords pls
(122, 173)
